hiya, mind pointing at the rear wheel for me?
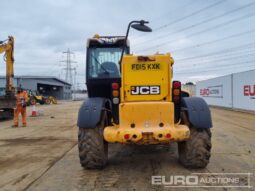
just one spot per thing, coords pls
(42, 101)
(92, 146)
(54, 100)
(7, 114)
(48, 101)
(196, 151)
(51, 100)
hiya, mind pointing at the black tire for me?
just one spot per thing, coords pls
(196, 151)
(93, 149)
(7, 114)
(42, 102)
(48, 101)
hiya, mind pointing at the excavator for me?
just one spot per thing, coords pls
(8, 101)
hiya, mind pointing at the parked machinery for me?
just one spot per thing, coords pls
(134, 101)
(8, 101)
(34, 97)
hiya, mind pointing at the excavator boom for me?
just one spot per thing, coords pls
(8, 49)
(7, 102)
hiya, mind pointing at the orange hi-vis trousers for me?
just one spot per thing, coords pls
(22, 110)
(21, 99)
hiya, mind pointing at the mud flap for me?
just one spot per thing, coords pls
(90, 112)
(198, 112)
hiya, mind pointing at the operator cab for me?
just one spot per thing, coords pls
(103, 63)
(103, 67)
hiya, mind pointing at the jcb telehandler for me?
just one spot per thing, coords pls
(133, 100)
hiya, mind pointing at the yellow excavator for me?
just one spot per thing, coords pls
(8, 101)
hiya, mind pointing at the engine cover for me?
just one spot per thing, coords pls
(146, 78)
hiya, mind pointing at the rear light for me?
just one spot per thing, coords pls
(168, 135)
(126, 136)
(115, 86)
(176, 84)
(176, 92)
(115, 93)
(176, 99)
(115, 100)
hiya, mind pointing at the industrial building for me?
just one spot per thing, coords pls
(235, 91)
(45, 85)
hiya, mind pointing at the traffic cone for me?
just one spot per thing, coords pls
(34, 112)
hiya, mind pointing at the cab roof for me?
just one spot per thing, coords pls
(106, 41)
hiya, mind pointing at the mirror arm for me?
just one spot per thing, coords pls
(126, 37)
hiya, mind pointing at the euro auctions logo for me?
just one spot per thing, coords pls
(204, 180)
(204, 92)
(249, 90)
(212, 91)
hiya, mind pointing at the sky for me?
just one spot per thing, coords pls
(207, 38)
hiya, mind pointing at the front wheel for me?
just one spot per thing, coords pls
(42, 101)
(48, 101)
(196, 151)
(92, 146)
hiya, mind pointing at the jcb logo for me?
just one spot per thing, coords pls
(145, 90)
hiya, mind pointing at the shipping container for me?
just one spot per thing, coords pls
(235, 91)
(244, 90)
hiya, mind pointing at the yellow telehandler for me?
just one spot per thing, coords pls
(133, 100)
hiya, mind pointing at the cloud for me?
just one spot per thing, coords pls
(43, 29)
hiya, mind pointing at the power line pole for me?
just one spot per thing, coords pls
(74, 86)
(68, 68)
